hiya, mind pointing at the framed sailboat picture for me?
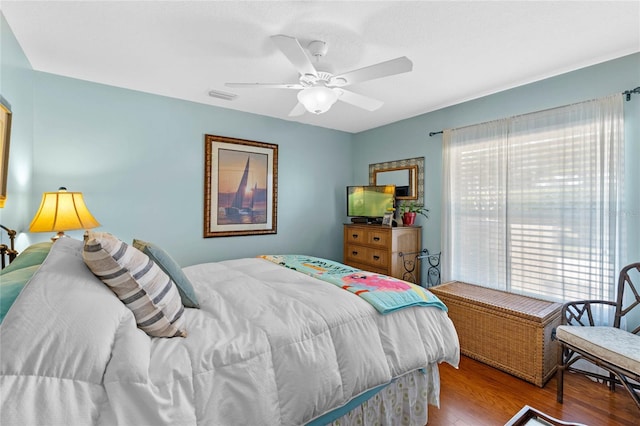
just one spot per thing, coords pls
(241, 187)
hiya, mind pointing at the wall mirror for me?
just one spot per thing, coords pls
(407, 175)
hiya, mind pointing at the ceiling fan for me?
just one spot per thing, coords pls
(319, 89)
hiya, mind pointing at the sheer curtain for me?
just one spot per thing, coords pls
(533, 203)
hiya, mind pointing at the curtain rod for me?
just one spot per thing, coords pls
(628, 94)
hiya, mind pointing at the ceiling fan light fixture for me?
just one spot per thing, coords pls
(319, 87)
(317, 99)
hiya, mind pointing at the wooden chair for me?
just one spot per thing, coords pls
(609, 347)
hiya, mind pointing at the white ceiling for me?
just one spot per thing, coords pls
(460, 50)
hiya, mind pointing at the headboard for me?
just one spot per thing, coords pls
(8, 251)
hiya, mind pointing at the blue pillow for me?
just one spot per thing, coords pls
(11, 284)
(171, 268)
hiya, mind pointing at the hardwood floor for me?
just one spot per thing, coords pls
(478, 395)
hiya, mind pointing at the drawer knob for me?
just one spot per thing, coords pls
(376, 238)
(355, 236)
(355, 253)
(376, 257)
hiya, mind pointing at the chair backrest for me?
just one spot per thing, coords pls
(628, 294)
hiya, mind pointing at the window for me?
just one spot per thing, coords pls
(532, 202)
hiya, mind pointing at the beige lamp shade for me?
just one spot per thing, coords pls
(62, 211)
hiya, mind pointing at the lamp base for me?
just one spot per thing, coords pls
(60, 234)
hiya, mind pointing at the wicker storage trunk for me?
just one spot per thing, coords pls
(507, 331)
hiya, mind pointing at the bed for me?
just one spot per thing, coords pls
(266, 345)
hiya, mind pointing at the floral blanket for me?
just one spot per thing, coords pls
(386, 294)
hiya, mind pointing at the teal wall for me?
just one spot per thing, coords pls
(410, 138)
(16, 86)
(139, 160)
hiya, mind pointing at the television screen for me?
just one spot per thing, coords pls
(369, 201)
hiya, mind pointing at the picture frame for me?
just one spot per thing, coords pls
(5, 139)
(407, 175)
(387, 219)
(241, 187)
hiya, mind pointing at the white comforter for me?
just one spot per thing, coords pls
(269, 346)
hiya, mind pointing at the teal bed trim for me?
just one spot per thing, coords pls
(339, 412)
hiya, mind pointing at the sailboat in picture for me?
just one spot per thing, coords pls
(237, 204)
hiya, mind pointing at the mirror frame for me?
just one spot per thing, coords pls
(415, 166)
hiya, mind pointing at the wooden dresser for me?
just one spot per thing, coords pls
(375, 248)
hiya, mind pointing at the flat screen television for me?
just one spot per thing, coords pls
(370, 202)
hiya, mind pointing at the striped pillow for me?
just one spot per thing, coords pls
(138, 282)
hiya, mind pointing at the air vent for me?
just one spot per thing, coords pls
(222, 95)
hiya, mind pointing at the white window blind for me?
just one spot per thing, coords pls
(532, 203)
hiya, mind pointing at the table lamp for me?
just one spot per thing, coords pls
(62, 211)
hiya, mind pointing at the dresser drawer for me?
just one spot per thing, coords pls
(378, 238)
(355, 236)
(355, 253)
(370, 256)
(378, 258)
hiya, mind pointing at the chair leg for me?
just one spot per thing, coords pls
(612, 382)
(560, 373)
(565, 356)
(632, 392)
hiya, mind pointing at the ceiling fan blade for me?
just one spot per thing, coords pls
(295, 53)
(265, 85)
(299, 109)
(383, 69)
(358, 100)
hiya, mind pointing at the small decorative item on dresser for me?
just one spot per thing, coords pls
(410, 211)
(408, 218)
(387, 220)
